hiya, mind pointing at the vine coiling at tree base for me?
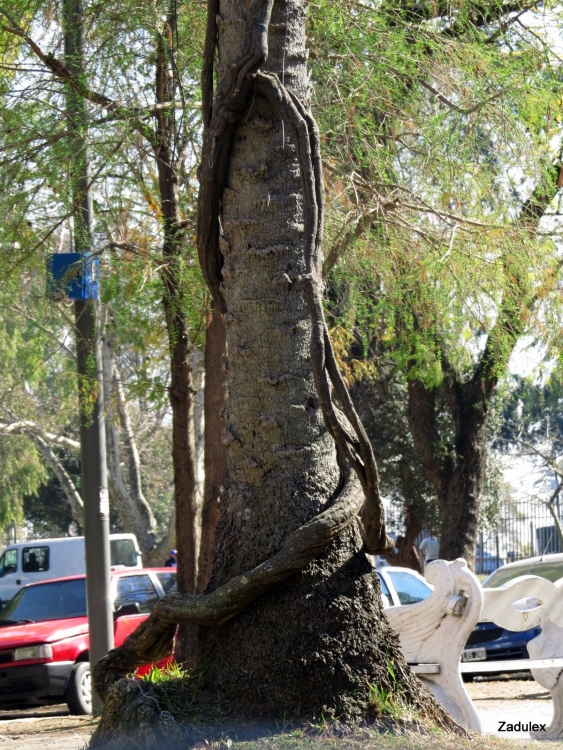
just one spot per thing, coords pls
(154, 638)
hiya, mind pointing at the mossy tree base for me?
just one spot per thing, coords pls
(136, 717)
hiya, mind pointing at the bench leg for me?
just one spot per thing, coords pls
(548, 645)
(449, 690)
(436, 630)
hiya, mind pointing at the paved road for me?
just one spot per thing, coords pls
(511, 701)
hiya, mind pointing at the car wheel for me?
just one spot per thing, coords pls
(78, 694)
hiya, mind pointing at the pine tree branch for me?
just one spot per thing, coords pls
(42, 439)
(516, 306)
(61, 343)
(482, 14)
(63, 74)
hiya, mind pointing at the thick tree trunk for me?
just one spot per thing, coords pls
(462, 493)
(406, 554)
(294, 625)
(317, 642)
(457, 470)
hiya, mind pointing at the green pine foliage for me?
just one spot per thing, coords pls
(441, 139)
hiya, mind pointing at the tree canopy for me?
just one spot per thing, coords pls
(441, 146)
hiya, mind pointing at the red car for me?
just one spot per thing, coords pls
(44, 635)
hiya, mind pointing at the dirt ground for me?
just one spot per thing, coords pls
(487, 693)
(53, 728)
(46, 728)
(510, 700)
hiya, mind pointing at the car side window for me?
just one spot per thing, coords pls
(168, 581)
(35, 559)
(9, 562)
(138, 589)
(409, 588)
(552, 571)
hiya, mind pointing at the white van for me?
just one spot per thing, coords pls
(41, 559)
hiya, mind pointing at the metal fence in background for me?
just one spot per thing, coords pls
(14, 534)
(524, 528)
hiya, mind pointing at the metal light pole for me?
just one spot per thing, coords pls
(89, 366)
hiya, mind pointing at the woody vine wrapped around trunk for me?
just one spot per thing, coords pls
(285, 508)
(231, 103)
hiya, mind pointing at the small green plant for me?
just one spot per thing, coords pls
(388, 702)
(385, 703)
(158, 675)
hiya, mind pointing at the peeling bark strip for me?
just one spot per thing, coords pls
(153, 639)
(238, 86)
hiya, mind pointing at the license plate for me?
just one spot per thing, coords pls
(474, 654)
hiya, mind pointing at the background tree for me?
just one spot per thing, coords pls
(383, 406)
(134, 113)
(38, 413)
(440, 150)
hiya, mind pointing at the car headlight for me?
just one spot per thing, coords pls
(33, 652)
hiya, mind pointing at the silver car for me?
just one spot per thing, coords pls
(402, 586)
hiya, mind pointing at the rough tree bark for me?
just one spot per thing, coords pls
(317, 642)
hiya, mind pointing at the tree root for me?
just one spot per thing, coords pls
(133, 718)
(153, 639)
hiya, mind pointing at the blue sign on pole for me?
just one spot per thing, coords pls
(72, 275)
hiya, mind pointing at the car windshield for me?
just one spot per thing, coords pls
(47, 601)
(409, 588)
(553, 571)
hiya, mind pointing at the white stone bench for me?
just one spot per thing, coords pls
(434, 632)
